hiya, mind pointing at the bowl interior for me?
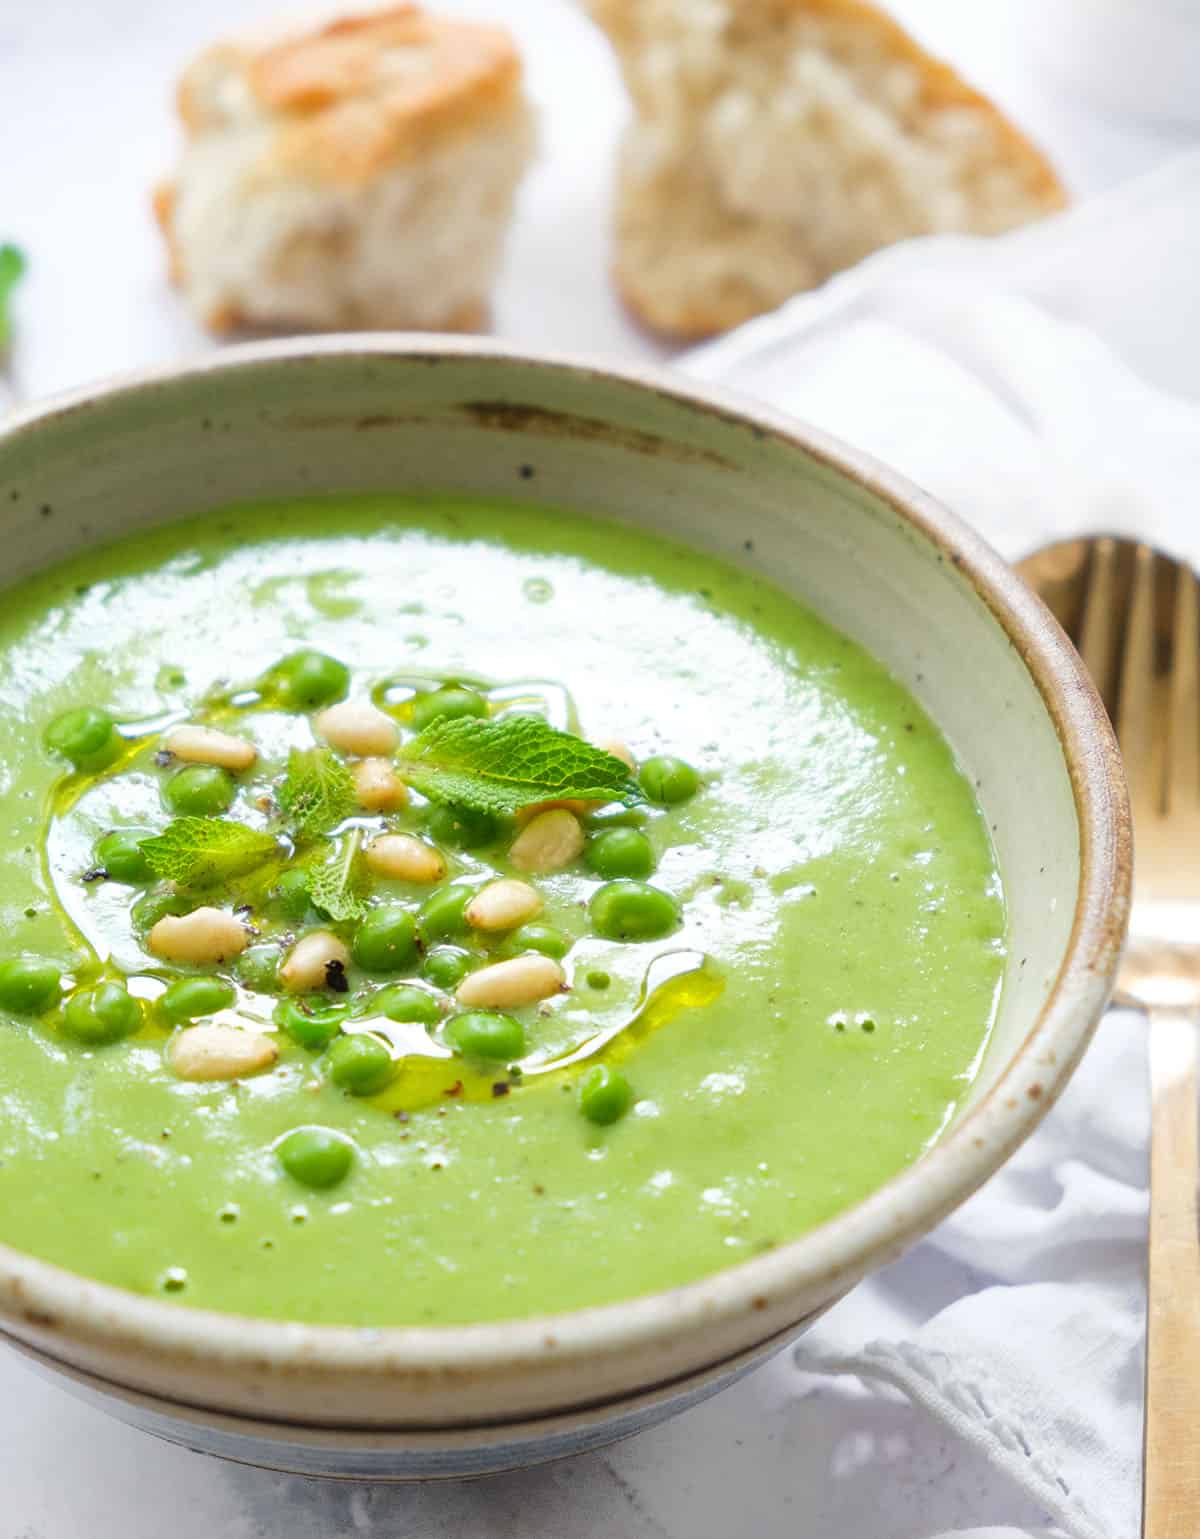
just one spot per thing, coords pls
(487, 425)
(826, 527)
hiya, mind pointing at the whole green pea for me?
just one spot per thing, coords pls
(29, 985)
(620, 852)
(307, 679)
(258, 968)
(668, 780)
(486, 1034)
(360, 1064)
(463, 828)
(404, 1002)
(605, 1095)
(200, 791)
(156, 905)
(386, 940)
(188, 998)
(86, 736)
(119, 854)
(445, 703)
(315, 1156)
(290, 894)
(632, 911)
(446, 966)
(312, 1026)
(444, 913)
(537, 937)
(103, 1014)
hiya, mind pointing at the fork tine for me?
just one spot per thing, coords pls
(1183, 718)
(1135, 704)
(1096, 634)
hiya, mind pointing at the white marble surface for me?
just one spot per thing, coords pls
(86, 98)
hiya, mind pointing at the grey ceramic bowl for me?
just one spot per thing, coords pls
(869, 552)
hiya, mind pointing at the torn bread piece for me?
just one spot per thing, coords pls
(776, 142)
(358, 175)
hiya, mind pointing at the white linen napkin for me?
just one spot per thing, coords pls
(1043, 384)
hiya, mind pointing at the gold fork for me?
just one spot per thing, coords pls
(1134, 614)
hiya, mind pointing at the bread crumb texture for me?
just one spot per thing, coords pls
(776, 142)
(358, 175)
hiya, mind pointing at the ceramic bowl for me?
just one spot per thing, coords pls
(874, 556)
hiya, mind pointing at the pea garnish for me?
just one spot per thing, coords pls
(360, 1064)
(120, 857)
(620, 852)
(605, 1095)
(86, 736)
(386, 940)
(537, 937)
(307, 679)
(103, 1014)
(443, 913)
(312, 1026)
(487, 1034)
(404, 1002)
(668, 780)
(200, 790)
(632, 911)
(446, 703)
(29, 985)
(446, 966)
(188, 998)
(316, 1156)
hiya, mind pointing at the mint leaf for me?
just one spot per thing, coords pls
(12, 266)
(203, 852)
(338, 888)
(502, 764)
(317, 792)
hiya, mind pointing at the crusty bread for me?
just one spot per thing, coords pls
(358, 175)
(775, 142)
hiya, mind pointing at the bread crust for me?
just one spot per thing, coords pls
(721, 305)
(343, 111)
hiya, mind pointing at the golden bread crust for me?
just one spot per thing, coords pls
(363, 93)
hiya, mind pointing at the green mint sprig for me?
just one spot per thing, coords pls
(338, 888)
(205, 852)
(12, 267)
(317, 791)
(502, 764)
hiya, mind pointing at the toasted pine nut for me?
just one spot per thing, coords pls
(522, 981)
(356, 726)
(406, 858)
(204, 745)
(548, 842)
(220, 1052)
(204, 935)
(503, 905)
(377, 786)
(617, 748)
(310, 960)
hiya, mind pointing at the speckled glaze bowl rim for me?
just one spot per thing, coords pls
(824, 1261)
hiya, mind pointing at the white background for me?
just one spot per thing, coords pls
(85, 92)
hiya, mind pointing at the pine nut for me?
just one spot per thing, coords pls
(220, 1052)
(377, 786)
(406, 858)
(617, 748)
(503, 905)
(522, 981)
(548, 842)
(204, 745)
(311, 960)
(204, 935)
(356, 726)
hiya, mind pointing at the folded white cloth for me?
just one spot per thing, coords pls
(1042, 385)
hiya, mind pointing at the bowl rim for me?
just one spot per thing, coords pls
(837, 1253)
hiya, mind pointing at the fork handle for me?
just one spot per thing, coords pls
(1171, 1498)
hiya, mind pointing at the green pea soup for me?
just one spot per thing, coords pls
(791, 1016)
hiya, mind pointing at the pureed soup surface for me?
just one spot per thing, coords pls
(804, 1019)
